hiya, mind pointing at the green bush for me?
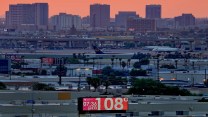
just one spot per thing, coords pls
(151, 87)
(2, 86)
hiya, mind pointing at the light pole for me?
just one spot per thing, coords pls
(78, 87)
(205, 77)
(61, 68)
(32, 101)
(158, 69)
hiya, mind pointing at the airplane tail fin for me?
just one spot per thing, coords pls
(97, 50)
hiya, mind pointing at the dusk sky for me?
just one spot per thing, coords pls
(170, 8)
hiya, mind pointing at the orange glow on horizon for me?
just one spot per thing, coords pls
(170, 8)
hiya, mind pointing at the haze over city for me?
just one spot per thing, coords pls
(170, 8)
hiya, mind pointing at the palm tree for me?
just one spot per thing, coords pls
(193, 65)
(128, 64)
(112, 62)
(123, 64)
(84, 61)
(176, 64)
(120, 59)
(89, 81)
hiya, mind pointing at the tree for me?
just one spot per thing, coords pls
(42, 87)
(2, 86)
(89, 81)
(116, 61)
(168, 66)
(107, 71)
(128, 62)
(176, 64)
(140, 72)
(123, 64)
(95, 82)
(93, 62)
(120, 59)
(74, 56)
(117, 80)
(106, 83)
(73, 61)
(112, 62)
(137, 65)
(60, 70)
(151, 87)
(144, 61)
(43, 72)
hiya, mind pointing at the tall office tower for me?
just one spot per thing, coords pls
(41, 13)
(141, 24)
(65, 21)
(153, 11)
(122, 17)
(27, 14)
(99, 15)
(185, 20)
(20, 14)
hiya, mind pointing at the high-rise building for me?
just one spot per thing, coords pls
(20, 14)
(122, 17)
(41, 13)
(27, 14)
(153, 11)
(185, 20)
(99, 15)
(141, 24)
(65, 21)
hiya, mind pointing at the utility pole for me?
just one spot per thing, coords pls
(60, 71)
(79, 82)
(158, 68)
(32, 101)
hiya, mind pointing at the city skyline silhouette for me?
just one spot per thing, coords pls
(170, 8)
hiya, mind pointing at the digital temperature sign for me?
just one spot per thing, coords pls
(103, 104)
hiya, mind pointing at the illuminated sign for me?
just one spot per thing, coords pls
(47, 60)
(103, 104)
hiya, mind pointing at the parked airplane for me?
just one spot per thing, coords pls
(161, 48)
(99, 51)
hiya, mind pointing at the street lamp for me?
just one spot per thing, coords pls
(32, 100)
(78, 88)
(158, 69)
(61, 68)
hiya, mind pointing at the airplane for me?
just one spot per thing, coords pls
(161, 49)
(97, 50)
